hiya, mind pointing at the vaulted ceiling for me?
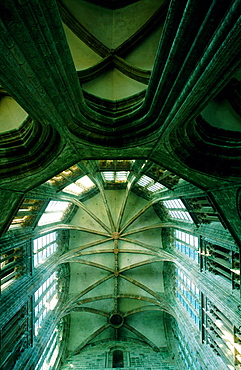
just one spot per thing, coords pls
(118, 79)
(117, 288)
(116, 271)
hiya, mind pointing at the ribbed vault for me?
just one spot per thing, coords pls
(153, 81)
(116, 271)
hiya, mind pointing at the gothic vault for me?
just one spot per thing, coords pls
(120, 147)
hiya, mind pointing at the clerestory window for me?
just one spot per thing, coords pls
(54, 212)
(187, 244)
(149, 184)
(177, 210)
(115, 176)
(44, 247)
(51, 351)
(45, 299)
(188, 295)
(79, 186)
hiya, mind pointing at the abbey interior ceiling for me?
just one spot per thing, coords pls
(155, 83)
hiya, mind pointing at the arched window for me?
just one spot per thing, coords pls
(118, 360)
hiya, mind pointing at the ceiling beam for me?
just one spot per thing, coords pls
(143, 298)
(95, 298)
(89, 253)
(123, 206)
(88, 211)
(107, 208)
(45, 230)
(78, 251)
(143, 245)
(160, 251)
(89, 263)
(144, 287)
(143, 309)
(88, 309)
(149, 227)
(127, 296)
(135, 251)
(142, 263)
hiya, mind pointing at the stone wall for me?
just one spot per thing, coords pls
(135, 355)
